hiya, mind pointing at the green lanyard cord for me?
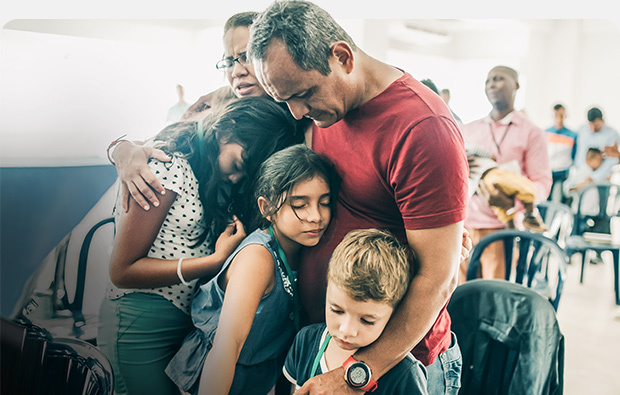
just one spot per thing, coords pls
(291, 279)
(317, 359)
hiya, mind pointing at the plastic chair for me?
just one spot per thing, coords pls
(23, 350)
(541, 263)
(509, 339)
(559, 220)
(51, 308)
(33, 362)
(74, 366)
(591, 231)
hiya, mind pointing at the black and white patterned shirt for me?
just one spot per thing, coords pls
(183, 224)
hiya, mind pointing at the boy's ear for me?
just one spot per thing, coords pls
(263, 206)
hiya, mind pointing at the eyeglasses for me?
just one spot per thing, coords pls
(229, 62)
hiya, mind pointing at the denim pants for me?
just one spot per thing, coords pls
(444, 375)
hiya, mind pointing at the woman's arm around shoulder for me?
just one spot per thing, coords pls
(136, 178)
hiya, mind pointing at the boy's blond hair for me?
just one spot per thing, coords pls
(370, 264)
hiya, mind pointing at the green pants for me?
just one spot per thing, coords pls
(140, 333)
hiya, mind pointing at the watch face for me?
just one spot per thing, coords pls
(358, 375)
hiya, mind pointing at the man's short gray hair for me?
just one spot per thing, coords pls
(307, 30)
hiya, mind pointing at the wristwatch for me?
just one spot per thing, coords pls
(358, 375)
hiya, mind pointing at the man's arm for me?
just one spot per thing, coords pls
(430, 289)
(438, 254)
(537, 166)
(205, 103)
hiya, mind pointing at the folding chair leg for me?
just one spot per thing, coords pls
(616, 254)
(584, 258)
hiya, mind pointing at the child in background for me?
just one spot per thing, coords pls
(582, 177)
(247, 316)
(368, 275)
(486, 175)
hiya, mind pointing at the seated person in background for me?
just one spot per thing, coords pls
(367, 277)
(596, 134)
(612, 152)
(485, 175)
(562, 147)
(583, 177)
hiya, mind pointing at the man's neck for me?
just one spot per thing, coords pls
(375, 76)
(499, 114)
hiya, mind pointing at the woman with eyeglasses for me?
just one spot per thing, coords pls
(239, 73)
(131, 159)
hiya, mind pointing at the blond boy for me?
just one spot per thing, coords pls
(368, 275)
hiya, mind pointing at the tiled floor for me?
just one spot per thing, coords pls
(590, 322)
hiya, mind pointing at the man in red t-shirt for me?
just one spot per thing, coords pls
(403, 168)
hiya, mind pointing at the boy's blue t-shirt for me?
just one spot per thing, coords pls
(407, 378)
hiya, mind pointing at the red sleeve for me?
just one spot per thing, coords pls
(429, 174)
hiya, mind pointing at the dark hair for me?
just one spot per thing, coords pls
(257, 124)
(428, 82)
(592, 152)
(307, 30)
(242, 19)
(557, 107)
(279, 174)
(594, 114)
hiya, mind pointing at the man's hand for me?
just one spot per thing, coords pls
(473, 164)
(611, 150)
(137, 179)
(495, 197)
(467, 245)
(198, 110)
(328, 383)
(203, 105)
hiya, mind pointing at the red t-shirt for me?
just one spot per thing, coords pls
(403, 166)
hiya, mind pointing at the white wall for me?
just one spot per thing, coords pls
(576, 62)
(570, 61)
(65, 97)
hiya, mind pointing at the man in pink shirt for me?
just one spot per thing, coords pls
(509, 136)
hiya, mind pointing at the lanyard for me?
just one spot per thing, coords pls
(291, 279)
(497, 145)
(317, 359)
